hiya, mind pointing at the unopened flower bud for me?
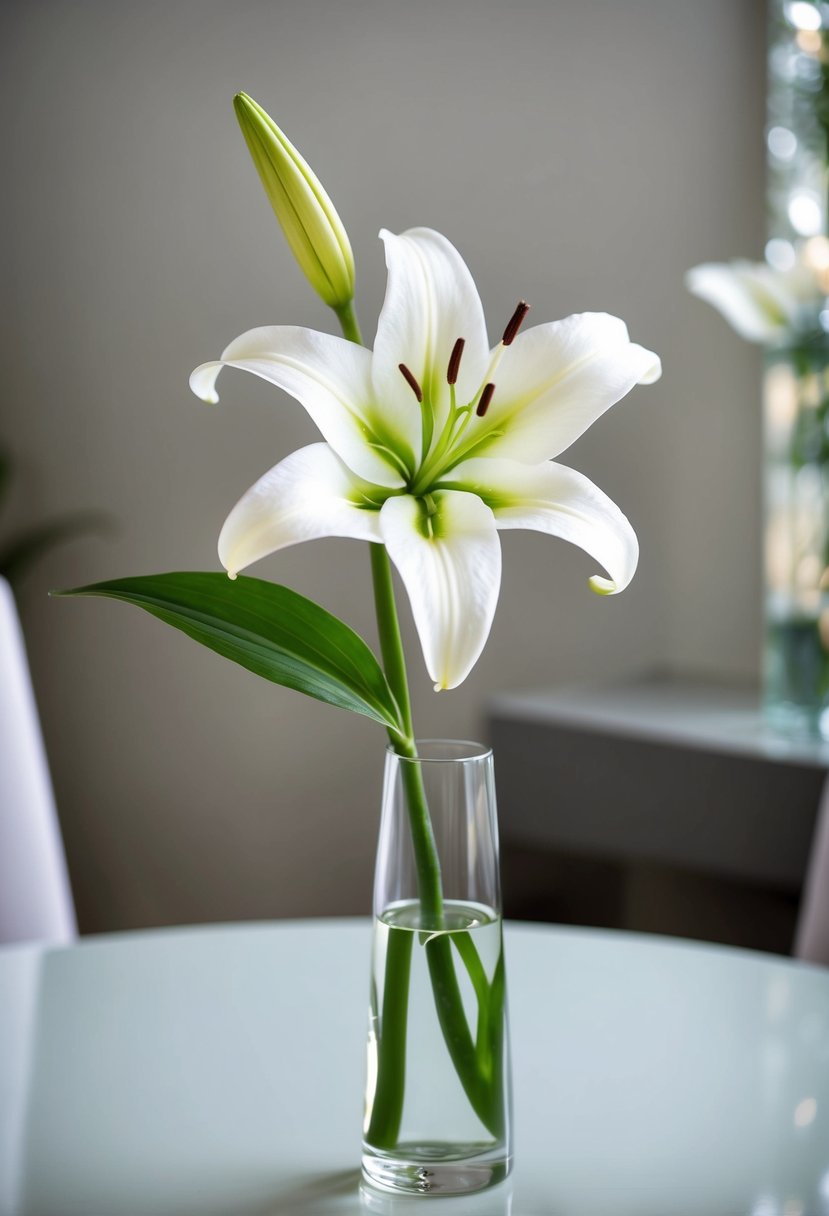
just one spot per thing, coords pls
(311, 225)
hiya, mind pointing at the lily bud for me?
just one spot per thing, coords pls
(311, 225)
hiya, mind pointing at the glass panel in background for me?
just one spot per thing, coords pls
(796, 660)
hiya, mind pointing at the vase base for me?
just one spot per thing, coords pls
(435, 1169)
(797, 722)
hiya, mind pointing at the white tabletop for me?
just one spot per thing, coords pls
(219, 1070)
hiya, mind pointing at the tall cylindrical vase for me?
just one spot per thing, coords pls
(438, 1093)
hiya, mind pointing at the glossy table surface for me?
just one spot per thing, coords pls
(219, 1070)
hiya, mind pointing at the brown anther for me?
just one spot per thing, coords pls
(410, 380)
(455, 361)
(515, 322)
(486, 397)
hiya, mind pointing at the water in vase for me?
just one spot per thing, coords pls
(437, 1093)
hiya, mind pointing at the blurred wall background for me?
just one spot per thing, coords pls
(581, 155)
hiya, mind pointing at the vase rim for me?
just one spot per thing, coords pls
(445, 751)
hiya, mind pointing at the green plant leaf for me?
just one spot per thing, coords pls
(270, 630)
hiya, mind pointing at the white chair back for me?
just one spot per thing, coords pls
(812, 937)
(35, 896)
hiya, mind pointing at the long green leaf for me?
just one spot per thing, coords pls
(270, 630)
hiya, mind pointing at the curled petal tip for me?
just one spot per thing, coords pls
(649, 364)
(203, 381)
(603, 586)
(652, 373)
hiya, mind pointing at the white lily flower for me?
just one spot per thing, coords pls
(762, 304)
(434, 443)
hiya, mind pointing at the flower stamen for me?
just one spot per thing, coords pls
(486, 397)
(515, 322)
(411, 381)
(455, 361)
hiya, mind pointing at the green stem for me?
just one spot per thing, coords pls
(348, 323)
(391, 643)
(453, 1024)
(387, 1104)
(390, 1032)
(465, 947)
(427, 862)
(448, 999)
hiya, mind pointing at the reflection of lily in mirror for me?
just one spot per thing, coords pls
(763, 304)
(786, 311)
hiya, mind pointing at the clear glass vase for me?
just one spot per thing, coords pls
(796, 491)
(438, 1091)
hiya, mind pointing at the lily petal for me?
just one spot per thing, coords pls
(450, 562)
(557, 379)
(332, 379)
(309, 494)
(431, 301)
(554, 499)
